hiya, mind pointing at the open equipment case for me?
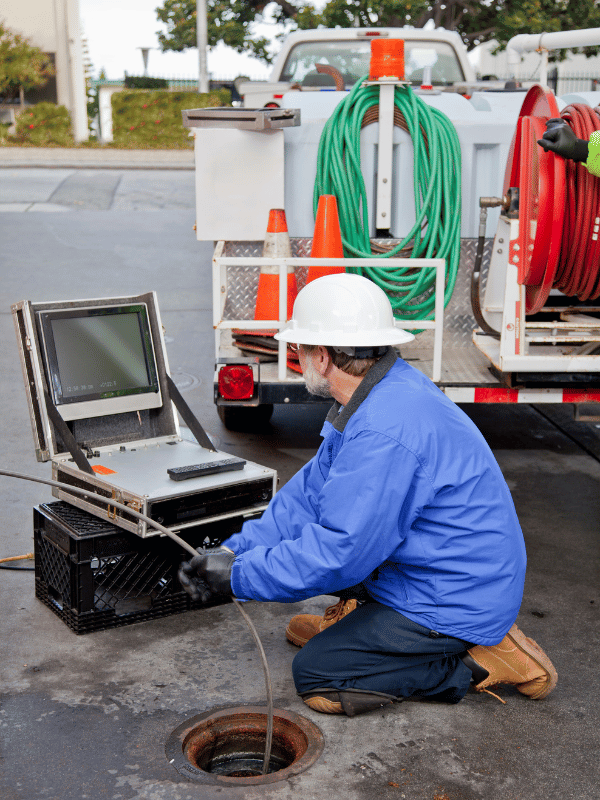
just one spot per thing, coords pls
(103, 410)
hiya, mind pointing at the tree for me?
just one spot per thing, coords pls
(228, 22)
(476, 22)
(22, 66)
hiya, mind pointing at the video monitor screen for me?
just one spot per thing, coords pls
(99, 354)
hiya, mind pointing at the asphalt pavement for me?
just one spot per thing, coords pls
(88, 716)
(79, 189)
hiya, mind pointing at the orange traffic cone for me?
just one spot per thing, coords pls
(327, 239)
(277, 243)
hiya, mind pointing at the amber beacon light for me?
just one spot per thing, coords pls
(387, 59)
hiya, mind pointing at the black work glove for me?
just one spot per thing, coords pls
(560, 139)
(207, 574)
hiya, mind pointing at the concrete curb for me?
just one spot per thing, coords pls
(83, 158)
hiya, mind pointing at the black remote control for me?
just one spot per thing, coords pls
(209, 468)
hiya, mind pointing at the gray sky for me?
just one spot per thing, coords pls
(115, 29)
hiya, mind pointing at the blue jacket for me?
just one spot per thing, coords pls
(404, 495)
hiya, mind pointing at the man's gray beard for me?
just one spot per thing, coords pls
(315, 383)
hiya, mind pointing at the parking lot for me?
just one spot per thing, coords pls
(88, 716)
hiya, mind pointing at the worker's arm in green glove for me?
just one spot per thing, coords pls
(593, 161)
(560, 139)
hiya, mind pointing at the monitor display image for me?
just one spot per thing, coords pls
(100, 360)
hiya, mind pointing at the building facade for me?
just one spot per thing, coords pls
(54, 27)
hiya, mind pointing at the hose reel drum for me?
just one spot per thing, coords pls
(544, 280)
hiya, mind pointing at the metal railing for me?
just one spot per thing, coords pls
(220, 288)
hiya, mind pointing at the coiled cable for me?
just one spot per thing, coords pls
(436, 190)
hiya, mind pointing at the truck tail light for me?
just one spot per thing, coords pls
(236, 382)
(273, 105)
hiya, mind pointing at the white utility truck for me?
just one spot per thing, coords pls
(506, 310)
(433, 57)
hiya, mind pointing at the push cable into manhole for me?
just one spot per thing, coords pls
(182, 543)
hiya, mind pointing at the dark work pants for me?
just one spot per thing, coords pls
(376, 649)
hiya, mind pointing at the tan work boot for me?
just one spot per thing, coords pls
(325, 705)
(517, 661)
(303, 627)
(348, 701)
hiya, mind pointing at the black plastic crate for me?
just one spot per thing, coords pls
(94, 575)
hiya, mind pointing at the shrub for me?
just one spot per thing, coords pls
(45, 124)
(144, 82)
(143, 119)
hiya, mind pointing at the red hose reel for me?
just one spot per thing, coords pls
(559, 206)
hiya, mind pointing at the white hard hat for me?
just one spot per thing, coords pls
(343, 310)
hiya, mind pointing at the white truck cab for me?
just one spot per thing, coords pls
(437, 57)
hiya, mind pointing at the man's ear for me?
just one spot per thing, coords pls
(323, 361)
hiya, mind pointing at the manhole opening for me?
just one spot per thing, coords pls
(239, 753)
(228, 746)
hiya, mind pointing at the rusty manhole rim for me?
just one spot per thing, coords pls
(175, 745)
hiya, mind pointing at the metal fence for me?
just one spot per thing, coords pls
(189, 83)
(182, 83)
(562, 84)
(577, 82)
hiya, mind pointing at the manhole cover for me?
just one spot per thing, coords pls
(185, 381)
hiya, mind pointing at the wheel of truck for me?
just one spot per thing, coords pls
(245, 418)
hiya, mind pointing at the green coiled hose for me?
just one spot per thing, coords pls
(436, 188)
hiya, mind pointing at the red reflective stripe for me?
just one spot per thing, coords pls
(496, 395)
(585, 396)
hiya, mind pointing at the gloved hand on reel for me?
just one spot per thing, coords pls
(560, 139)
(208, 573)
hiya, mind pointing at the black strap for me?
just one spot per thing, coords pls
(187, 415)
(479, 672)
(67, 437)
